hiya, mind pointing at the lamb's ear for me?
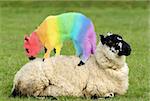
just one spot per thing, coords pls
(26, 38)
(102, 38)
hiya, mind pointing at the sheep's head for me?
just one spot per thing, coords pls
(32, 45)
(116, 44)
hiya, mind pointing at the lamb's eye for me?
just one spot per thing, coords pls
(27, 50)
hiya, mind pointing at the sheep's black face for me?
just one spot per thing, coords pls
(116, 44)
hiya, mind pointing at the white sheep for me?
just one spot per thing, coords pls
(104, 74)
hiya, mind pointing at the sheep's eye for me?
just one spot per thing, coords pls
(113, 44)
(110, 42)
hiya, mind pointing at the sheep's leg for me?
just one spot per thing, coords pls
(44, 97)
(94, 97)
(58, 49)
(109, 95)
(53, 90)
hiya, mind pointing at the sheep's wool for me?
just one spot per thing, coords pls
(103, 73)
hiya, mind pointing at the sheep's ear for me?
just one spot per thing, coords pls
(109, 33)
(102, 38)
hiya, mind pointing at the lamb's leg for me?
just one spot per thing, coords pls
(54, 50)
(79, 51)
(46, 55)
(81, 63)
(45, 49)
(58, 49)
(77, 48)
(86, 52)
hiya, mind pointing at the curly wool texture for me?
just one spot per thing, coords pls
(104, 72)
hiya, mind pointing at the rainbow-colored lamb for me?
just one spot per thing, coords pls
(54, 30)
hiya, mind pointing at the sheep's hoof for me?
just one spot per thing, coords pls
(81, 63)
(43, 59)
(94, 97)
(46, 97)
(52, 97)
(109, 95)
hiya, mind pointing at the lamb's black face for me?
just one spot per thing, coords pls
(116, 44)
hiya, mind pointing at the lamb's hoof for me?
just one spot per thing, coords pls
(32, 58)
(81, 63)
(54, 50)
(43, 59)
(109, 95)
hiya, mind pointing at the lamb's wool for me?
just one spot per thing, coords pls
(103, 73)
(56, 29)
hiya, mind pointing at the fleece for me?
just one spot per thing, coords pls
(104, 73)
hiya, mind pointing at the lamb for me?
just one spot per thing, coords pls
(55, 30)
(104, 75)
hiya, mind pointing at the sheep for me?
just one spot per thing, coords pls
(105, 73)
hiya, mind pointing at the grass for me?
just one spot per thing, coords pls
(129, 19)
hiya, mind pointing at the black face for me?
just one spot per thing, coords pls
(116, 44)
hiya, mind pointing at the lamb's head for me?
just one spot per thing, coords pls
(116, 44)
(32, 45)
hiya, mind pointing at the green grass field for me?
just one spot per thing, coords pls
(129, 19)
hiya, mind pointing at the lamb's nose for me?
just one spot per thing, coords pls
(32, 58)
